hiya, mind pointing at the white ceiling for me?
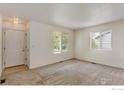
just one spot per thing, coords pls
(72, 16)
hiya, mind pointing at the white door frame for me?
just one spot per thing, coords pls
(3, 46)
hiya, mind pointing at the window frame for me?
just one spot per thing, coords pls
(61, 36)
(91, 47)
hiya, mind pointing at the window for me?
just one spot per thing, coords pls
(64, 42)
(60, 42)
(101, 40)
(57, 42)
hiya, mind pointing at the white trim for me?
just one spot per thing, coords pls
(56, 52)
(0, 72)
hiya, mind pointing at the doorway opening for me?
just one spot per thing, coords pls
(14, 45)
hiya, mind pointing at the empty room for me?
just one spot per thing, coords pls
(61, 44)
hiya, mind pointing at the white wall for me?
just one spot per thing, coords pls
(0, 45)
(114, 57)
(41, 52)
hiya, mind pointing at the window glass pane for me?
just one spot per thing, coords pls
(101, 40)
(57, 42)
(106, 45)
(95, 40)
(64, 41)
(106, 39)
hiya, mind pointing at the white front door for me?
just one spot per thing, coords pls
(14, 44)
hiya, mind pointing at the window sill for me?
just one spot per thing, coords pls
(60, 52)
(65, 51)
(101, 49)
(56, 52)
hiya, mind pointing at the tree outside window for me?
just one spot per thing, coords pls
(60, 42)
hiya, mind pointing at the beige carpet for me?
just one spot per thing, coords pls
(72, 72)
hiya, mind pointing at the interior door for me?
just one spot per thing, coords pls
(14, 48)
